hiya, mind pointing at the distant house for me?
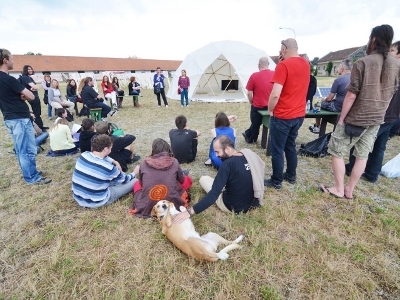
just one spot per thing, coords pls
(337, 57)
(65, 67)
(276, 58)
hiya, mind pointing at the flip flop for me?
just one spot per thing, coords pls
(348, 198)
(323, 189)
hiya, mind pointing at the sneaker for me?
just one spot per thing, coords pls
(104, 119)
(364, 176)
(315, 130)
(290, 180)
(159, 106)
(166, 106)
(140, 95)
(181, 105)
(42, 173)
(268, 183)
(50, 118)
(135, 158)
(187, 105)
(113, 112)
(43, 180)
(311, 128)
(115, 106)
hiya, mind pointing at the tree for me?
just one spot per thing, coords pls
(315, 72)
(314, 62)
(329, 68)
(31, 53)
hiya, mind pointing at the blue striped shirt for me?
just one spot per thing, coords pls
(91, 179)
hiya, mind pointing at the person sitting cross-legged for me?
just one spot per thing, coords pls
(238, 186)
(122, 150)
(97, 179)
(183, 141)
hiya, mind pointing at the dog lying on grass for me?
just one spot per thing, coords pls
(185, 237)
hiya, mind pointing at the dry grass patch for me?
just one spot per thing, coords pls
(301, 245)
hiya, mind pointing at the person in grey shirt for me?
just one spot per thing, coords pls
(332, 103)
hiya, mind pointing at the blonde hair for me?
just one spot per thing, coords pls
(81, 84)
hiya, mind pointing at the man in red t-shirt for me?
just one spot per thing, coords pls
(287, 109)
(259, 88)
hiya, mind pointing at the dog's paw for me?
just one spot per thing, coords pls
(182, 208)
(223, 255)
(239, 239)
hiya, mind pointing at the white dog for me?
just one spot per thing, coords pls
(185, 237)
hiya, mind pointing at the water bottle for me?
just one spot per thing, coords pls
(308, 106)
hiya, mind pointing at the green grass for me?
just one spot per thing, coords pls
(300, 245)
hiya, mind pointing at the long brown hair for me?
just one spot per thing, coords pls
(160, 145)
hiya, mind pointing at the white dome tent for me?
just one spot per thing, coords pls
(219, 72)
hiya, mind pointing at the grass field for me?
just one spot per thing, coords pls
(301, 244)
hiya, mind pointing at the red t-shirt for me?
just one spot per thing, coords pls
(261, 86)
(294, 75)
(109, 88)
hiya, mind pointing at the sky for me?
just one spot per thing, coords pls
(172, 29)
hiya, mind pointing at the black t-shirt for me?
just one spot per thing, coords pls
(234, 174)
(11, 104)
(181, 144)
(118, 151)
(88, 96)
(25, 80)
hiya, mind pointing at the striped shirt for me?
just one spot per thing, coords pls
(91, 179)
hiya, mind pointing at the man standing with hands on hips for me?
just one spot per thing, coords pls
(287, 109)
(13, 96)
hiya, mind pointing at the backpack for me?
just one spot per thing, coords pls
(316, 148)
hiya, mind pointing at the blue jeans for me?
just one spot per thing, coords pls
(105, 109)
(134, 93)
(283, 134)
(49, 108)
(23, 136)
(41, 138)
(184, 95)
(375, 158)
(256, 121)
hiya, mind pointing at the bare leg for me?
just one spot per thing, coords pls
(338, 171)
(358, 169)
(318, 121)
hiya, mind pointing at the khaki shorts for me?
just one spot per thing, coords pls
(206, 183)
(340, 144)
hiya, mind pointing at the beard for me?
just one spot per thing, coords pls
(224, 156)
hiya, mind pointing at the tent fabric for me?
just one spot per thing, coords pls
(209, 65)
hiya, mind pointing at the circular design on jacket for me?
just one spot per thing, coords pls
(158, 192)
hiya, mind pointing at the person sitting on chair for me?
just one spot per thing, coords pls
(55, 98)
(134, 87)
(91, 99)
(109, 92)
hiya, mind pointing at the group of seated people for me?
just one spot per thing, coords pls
(100, 177)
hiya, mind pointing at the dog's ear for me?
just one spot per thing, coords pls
(168, 217)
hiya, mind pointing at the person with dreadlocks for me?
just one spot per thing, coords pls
(368, 96)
